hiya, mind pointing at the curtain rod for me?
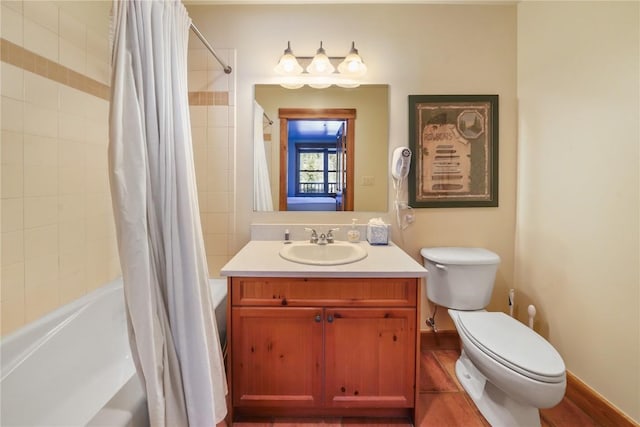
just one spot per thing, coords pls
(227, 69)
(267, 117)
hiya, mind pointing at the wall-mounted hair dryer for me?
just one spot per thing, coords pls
(401, 162)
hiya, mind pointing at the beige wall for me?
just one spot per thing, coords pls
(578, 188)
(57, 227)
(416, 49)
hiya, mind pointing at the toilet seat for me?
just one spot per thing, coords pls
(512, 344)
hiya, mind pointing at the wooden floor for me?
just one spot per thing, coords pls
(442, 401)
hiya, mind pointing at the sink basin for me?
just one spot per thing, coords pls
(329, 254)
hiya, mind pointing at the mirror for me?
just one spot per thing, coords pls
(365, 170)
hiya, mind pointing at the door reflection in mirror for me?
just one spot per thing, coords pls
(336, 186)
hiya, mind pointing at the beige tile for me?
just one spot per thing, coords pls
(12, 247)
(40, 120)
(98, 42)
(97, 227)
(97, 133)
(14, 5)
(98, 204)
(217, 202)
(40, 181)
(40, 150)
(40, 271)
(198, 115)
(73, 101)
(13, 315)
(40, 242)
(216, 223)
(196, 59)
(218, 116)
(12, 285)
(218, 80)
(72, 56)
(71, 287)
(197, 81)
(43, 13)
(40, 211)
(99, 71)
(215, 263)
(71, 180)
(12, 114)
(71, 127)
(12, 81)
(217, 180)
(40, 91)
(71, 208)
(40, 40)
(71, 153)
(12, 215)
(41, 299)
(216, 244)
(12, 148)
(97, 181)
(12, 181)
(97, 109)
(72, 263)
(72, 30)
(12, 25)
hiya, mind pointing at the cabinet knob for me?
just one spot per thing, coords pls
(330, 319)
(318, 318)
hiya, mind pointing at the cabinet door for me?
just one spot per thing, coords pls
(370, 357)
(277, 356)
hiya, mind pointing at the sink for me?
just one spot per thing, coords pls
(329, 254)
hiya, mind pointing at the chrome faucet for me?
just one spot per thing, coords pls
(314, 235)
(330, 238)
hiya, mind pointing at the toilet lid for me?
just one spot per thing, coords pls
(513, 344)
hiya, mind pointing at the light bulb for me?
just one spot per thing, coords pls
(320, 65)
(352, 64)
(288, 64)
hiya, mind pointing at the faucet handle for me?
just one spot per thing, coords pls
(314, 235)
(330, 237)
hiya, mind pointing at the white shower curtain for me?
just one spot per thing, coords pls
(262, 200)
(172, 330)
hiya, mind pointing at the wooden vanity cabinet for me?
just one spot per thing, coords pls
(320, 346)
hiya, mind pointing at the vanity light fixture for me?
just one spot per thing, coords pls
(320, 70)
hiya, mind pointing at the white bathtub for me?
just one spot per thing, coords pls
(73, 367)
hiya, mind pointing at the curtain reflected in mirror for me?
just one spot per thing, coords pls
(325, 150)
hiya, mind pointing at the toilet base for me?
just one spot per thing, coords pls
(495, 405)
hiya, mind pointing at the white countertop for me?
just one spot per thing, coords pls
(261, 258)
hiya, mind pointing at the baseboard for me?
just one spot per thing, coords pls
(598, 408)
(441, 340)
(583, 396)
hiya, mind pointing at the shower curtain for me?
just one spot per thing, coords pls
(172, 330)
(261, 185)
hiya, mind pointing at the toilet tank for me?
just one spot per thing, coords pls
(460, 278)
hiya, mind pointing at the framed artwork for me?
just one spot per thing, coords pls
(454, 141)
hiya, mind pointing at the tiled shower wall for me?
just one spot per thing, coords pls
(57, 226)
(211, 99)
(58, 238)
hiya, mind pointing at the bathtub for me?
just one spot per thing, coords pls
(73, 367)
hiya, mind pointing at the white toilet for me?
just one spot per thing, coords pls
(506, 368)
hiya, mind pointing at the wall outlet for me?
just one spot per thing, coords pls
(368, 180)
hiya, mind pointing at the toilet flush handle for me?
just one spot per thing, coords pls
(441, 267)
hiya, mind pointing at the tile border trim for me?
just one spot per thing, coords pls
(18, 56)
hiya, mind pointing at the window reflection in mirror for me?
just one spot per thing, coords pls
(354, 179)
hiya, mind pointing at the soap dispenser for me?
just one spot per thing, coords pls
(353, 235)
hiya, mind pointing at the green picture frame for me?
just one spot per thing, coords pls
(454, 145)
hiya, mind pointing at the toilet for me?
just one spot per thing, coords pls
(508, 370)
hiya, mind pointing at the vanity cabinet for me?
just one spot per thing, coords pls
(323, 346)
